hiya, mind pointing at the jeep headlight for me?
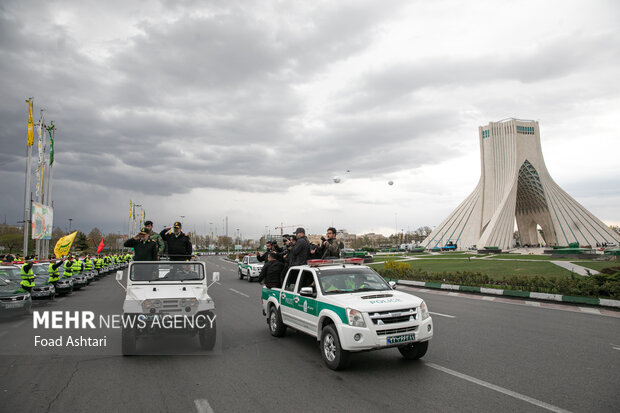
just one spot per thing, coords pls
(188, 302)
(424, 311)
(355, 318)
(148, 304)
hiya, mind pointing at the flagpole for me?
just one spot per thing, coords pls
(27, 207)
(40, 173)
(48, 195)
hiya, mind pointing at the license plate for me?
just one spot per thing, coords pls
(401, 339)
(14, 305)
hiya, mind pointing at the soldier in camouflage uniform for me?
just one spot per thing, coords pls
(154, 236)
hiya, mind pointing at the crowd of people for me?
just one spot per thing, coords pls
(296, 249)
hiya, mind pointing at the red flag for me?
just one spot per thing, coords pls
(100, 247)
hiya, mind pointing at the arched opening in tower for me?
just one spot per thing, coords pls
(531, 210)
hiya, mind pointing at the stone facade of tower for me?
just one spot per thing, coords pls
(515, 183)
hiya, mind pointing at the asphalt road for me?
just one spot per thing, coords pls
(485, 357)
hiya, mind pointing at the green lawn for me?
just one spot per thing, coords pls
(596, 265)
(495, 269)
(526, 257)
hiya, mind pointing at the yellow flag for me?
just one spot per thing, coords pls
(63, 246)
(30, 140)
(129, 209)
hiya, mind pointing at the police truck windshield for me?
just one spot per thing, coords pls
(354, 280)
(166, 271)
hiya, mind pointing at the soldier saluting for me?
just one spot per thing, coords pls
(178, 243)
(144, 248)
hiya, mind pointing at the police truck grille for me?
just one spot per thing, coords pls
(397, 331)
(393, 316)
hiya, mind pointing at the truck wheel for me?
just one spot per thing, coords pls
(206, 335)
(129, 341)
(240, 274)
(414, 351)
(276, 327)
(333, 355)
(249, 277)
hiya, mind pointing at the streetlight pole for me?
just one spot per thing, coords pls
(70, 219)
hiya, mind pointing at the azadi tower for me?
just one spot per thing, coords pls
(515, 183)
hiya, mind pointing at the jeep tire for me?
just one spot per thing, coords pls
(249, 276)
(240, 274)
(206, 335)
(276, 327)
(331, 351)
(129, 341)
(414, 351)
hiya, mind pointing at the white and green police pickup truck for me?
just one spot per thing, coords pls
(249, 267)
(348, 307)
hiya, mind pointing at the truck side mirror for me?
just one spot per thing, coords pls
(119, 275)
(392, 285)
(216, 276)
(306, 292)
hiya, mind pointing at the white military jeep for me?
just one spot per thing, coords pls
(249, 267)
(167, 297)
(347, 307)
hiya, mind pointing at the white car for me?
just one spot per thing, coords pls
(168, 297)
(249, 267)
(348, 308)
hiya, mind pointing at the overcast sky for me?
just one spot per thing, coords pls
(208, 109)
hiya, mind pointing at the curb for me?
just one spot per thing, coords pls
(515, 293)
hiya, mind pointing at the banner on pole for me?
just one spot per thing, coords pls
(49, 130)
(42, 221)
(63, 246)
(30, 138)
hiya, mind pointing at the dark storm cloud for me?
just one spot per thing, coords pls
(199, 102)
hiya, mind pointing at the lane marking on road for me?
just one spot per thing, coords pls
(589, 310)
(499, 389)
(532, 303)
(442, 315)
(239, 292)
(203, 406)
(614, 347)
(20, 323)
(488, 298)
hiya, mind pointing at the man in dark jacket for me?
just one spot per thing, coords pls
(271, 272)
(144, 248)
(300, 252)
(263, 257)
(178, 244)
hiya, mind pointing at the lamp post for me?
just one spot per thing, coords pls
(70, 219)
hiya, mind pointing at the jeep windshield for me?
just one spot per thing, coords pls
(166, 271)
(350, 280)
(252, 260)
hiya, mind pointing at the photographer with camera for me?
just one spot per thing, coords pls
(330, 248)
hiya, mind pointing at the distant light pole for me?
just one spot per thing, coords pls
(70, 219)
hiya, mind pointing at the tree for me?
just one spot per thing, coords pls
(93, 238)
(80, 243)
(11, 238)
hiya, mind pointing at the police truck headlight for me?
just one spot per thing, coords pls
(424, 311)
(355, 318)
